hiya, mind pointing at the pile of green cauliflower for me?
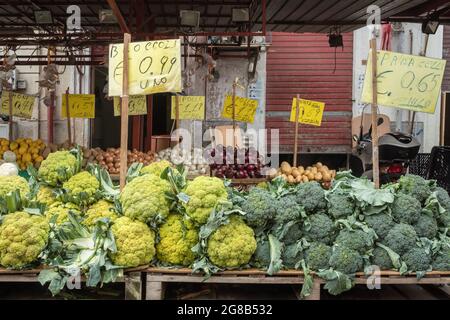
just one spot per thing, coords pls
(65, 218)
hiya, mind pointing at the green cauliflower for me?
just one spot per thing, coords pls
(204, 193)
(406, 209)
(59, 167)
(144, 199)
(417, 259)
(12, 183)
(61, 211)
(340, 204)
(231, 245)
(319, 227)
(45, 195)
(177, 236)
(100, 209)
(381, 223)
(156, 167)
(22, 239)
(426, 226)
(317, 256)
(311, 196)
(381, 258)
(415, 186)
(401, 238)
(83, 186)
(441, 261)
(346, 260)
(260, 207)
(291, 256)
(357, 240)
(135, 243)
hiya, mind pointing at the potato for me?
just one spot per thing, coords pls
(325, 167)
(308, 168)
(290, 179)
(299, 179)
(314, 170)
(318, 176)
(285, 164)
(301, 170)
(319, 165)
(284, 176)
(305, 179)
(295, 173)
(326, 177)
(286, 170)
(310, 176)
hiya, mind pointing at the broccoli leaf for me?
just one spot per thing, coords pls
(275, 255)
(336, 282)
(395, 258)
(308, 281)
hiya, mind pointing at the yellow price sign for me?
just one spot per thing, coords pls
(245, 109)
(405, 81)
(310, 112)
(80, 106)
(154, 67)
(137, 105)
(190, 107)
(22, 104)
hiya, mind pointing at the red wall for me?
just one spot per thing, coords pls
(303, 64)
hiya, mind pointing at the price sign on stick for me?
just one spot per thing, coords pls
(190, 108)
(80, 106)
(245, 109)
(22, 104)
(405, 81)
(154, 67)
(137, 105)
(310, 112)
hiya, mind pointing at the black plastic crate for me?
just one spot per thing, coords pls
(420, 165)
(440, 166)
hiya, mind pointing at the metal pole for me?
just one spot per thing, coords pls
(375, 155)
(69, 129)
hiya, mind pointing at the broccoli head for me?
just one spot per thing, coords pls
(261, 257)
(100, 209)
(156, 167)
(357, 240)
(22, 238)
(319, 227)
(291, 256)
(340, 204)
(57, 168)
(317, 256)
(288, 233)
(417, 259)
(415, 186)
(441, 261)
(144, 199)
(177, 236)
(82, 187)
(443, 198)
(381, 258)
(311, 196)
(401, 238)
(260, 208)
(204, 193)
(406, 209)
(135, 243)
(381, 223)
(426, 226)
(12, 183)
(232, 244)
(287, 210)
(346, 260)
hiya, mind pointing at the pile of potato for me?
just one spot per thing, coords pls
(317, 172)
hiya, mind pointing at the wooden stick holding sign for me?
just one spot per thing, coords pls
(177, 116)
(124, 113)
(297, 108)
(375, 155)
(10, 106)
(233, 106)
(69, 129)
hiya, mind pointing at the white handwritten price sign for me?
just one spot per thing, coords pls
(137, 105)
(154, 67)
(22, 105)
(190, 107)
(80, 106)
(245, 109)
(405, 81)
(310, 112)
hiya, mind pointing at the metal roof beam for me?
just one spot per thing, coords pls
(116, 10)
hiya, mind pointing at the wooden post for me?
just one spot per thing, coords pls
(233, 105)
(297, 112)
(375, 155)
(177, 116)
(69, 129)
(124, 114)
(10, 111)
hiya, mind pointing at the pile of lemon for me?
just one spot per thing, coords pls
(27, 151)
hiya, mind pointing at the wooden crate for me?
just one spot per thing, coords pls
(157, 278)
(132, 278)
